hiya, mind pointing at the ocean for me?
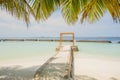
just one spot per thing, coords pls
(25, 49)
(10, 50)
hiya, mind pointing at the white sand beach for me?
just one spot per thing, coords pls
(86, 68)
(23, 69)
(98, 68)
(25, 62)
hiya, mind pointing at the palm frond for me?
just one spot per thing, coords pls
(44, 8)
(113, 6)
(90, 10)
(70, 10)
(18, 8)
(93, 11)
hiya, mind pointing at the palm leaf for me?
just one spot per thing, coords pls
(18, 8)
(113, 7)
(90, 10)
(44, 8)
(93, 11)
(70, 10)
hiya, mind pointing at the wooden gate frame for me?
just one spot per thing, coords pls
(66, 33)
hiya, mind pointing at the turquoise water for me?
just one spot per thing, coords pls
(14, 50)
(108, 50)
(25, 49)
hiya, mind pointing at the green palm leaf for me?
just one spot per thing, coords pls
(72, 10)
(18, 8)
(44, 8)
(113, 7)
(93, 11)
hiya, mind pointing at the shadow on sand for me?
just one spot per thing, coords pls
(53, 72)
(58, 71)
(17, 73)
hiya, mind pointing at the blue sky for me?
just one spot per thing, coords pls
(11, 27)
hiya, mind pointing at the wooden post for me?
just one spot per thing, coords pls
(60, 40)
(73, 40)
(71, 65)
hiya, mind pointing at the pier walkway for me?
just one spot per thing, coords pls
(58, 67)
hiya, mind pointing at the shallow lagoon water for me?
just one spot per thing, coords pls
(17, 50)
(10, 50)
(106, 50)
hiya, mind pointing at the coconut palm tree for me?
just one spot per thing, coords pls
(72, 10)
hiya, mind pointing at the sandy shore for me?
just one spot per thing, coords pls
(97, 68)
(21, 69)
(86, 68)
